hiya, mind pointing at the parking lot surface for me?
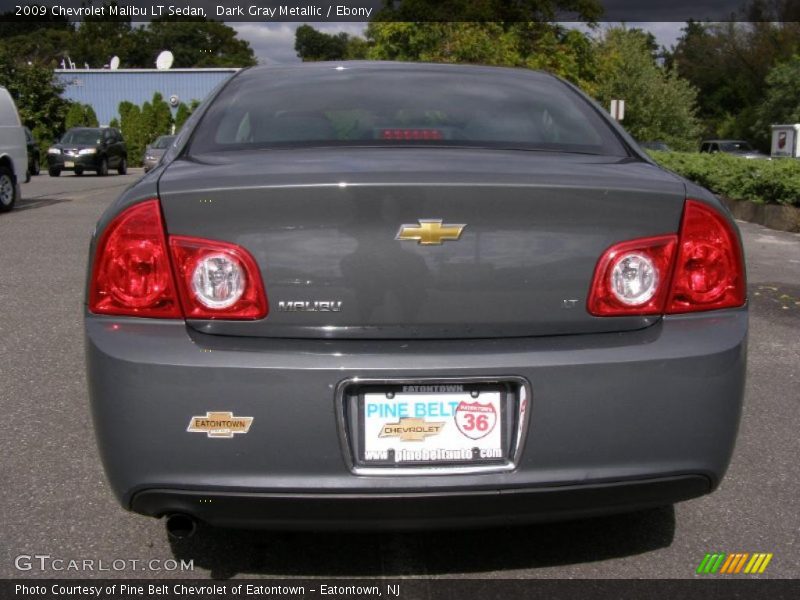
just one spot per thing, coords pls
(54, 499)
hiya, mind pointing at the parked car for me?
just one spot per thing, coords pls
(88, 149)
(658, 146)
(401, 295)
(154, 152)
(34, 156)
(13, 154)
(735, 147)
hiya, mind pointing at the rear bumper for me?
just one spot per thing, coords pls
(89, 162)
(616, 422)
(421, 510)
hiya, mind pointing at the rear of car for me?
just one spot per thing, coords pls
(13, 152)
(388, 295)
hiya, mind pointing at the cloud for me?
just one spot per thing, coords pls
(274, 42)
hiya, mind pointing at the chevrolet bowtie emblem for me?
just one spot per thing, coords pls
(429, 232)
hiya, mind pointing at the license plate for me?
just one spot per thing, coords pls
(68, 164)
(432, 427)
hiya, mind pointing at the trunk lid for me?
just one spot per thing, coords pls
(322, 226)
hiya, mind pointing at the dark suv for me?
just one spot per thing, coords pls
(88, 149)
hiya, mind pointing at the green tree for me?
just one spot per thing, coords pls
(80, 115)
(133, 129)
(37, 95)
(659, 105)
(564, 52)
(184, 112)
(198, 43)
(313, 45)
(782, 102)
(195, 43)
(161, 117)
(728, 63)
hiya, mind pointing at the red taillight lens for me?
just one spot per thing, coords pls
(131, 273)
(709, 272)
(217, 280)
(702, 268)
(632, 278)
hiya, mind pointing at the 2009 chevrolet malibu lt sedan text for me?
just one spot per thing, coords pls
(383, 295)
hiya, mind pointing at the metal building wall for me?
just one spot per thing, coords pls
(104, 89)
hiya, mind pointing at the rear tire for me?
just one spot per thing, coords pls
(102, 170)
(123, 167)
(8, 190)
(54, 172)
(78, 172)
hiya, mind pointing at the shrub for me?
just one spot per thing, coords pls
(766, 181)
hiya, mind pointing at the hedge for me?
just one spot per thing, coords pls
(765, 181)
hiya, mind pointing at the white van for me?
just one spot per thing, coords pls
(13, 152)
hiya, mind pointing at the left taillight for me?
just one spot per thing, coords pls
(132, 273)
(138, 271)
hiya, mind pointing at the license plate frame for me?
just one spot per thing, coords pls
(510, 399)
(69, 164)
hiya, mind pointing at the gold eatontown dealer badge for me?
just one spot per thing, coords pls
(219, 424)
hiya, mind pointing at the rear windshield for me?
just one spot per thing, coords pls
(163, 142)
(735, 147)
(82, 136)
(397, 107)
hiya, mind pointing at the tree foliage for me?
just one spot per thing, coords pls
(184, 112)
(37, 96)
(313, 45)
(194, 43)
(80, 115)
(782, 101)
(659, 105)
(140, 126)
(564, 52)
(729, 63)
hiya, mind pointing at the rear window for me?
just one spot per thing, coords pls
(736, 147)
(163, 142)
(357, 106)
(82, 136)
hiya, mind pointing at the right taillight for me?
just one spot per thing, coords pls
(217, 280)
(709, 270)
(701, 268)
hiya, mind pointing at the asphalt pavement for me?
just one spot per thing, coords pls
(54, 500)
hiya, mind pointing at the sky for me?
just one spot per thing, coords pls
(274, 42)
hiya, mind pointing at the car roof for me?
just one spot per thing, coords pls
(311, 68)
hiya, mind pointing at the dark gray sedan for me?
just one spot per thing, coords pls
(399, 295)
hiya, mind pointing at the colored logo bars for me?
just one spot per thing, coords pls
(731, 564)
